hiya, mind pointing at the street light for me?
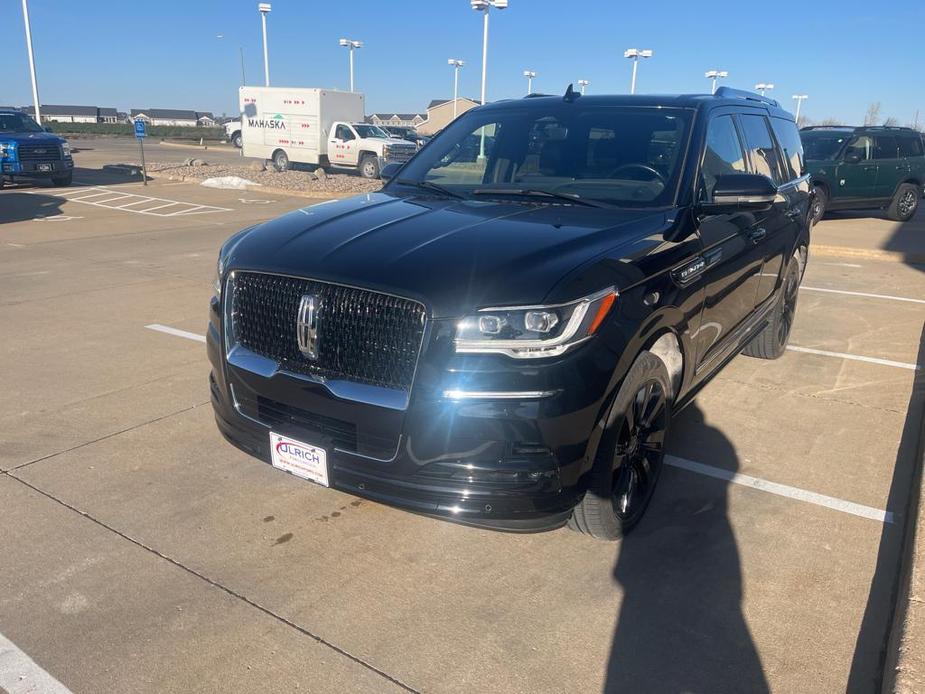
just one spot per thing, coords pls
(714, 75)
(484, 6)
(763, 87)
(35, 86)
(264, 9)
(456, 63)
(241, 51)
(582, 84)
(799, 99)
(352, 45)
(529, 74)
(635, 54)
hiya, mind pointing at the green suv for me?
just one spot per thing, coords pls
(865, 168)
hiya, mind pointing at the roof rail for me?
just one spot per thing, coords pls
(730, 93)
(828, 127)
(859, 127)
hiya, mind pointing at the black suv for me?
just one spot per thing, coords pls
(874, 167)
(501, 335)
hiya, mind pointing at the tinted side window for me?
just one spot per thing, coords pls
(723, 153)
(862, 146)
(885, 147)
(761, 150)
(910, 146)
(789, 139)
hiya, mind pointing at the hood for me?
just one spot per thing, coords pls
(50, 138)
(454, 256)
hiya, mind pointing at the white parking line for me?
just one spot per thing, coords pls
(782, 490)
(864, 294)
(19, 674)
(176, 331)
(103, 197)
(855, 357)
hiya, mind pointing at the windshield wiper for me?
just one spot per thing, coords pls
(431, 186)
(534, 193)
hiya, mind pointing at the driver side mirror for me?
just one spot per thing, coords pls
(389, 171)
(740, 193)
(852, 158)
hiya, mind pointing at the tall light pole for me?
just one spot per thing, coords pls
(763, 87)
(715, 75)
(241, 49)
(529, 74)
(799, 98)
(35, 86)
(264, 9)
(484, 6)
(582, 84)
(635, 54)
(456, 63)
(352, 46)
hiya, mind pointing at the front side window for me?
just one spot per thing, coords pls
(860, 148)
(722, 155)
(761, 151)
(885, 147)
(788, 137)
(343, 133)
(613, 155)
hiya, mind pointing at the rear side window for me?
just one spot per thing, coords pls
(885, 147)
(761, 151)
(788, 137)
(910, 146)
(723, 154)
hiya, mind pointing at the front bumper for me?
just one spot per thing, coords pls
(502, 463)
(37, 169)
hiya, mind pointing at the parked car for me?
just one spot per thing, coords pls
(502, 335)
(405, 133)
(318, 127)
(27, 150)
(233, 132)
(870, 167)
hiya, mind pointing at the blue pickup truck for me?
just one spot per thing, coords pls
(27, 150)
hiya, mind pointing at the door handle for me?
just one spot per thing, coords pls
(870, 168)
(757, 234)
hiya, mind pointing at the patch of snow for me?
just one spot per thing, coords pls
(232, 182)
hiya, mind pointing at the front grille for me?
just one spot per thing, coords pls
(401, 154)
(37, 152)
(363, 336)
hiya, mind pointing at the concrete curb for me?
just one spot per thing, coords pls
(866, 254)
(123, 170)
(310, 194)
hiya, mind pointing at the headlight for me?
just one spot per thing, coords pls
(531, 332)
(66, 148)
(219, 271)
(7, 149)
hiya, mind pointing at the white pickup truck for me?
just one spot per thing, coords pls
(233, 132)
(320, 127)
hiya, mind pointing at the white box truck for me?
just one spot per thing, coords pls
(319, 127)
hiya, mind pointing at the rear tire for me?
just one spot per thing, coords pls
(821, 201)
(369, 166)
(771, 343)
(236, 140)
(630, 455)
(62, 181)
(904, 204)
(281, 160)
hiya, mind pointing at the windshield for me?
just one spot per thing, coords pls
(18, 123)
(370, 131)
(616, 155)
(819, 145)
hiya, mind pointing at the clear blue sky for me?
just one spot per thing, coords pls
(164, 53)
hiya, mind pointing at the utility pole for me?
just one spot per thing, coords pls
(35, 86)
(264, 9)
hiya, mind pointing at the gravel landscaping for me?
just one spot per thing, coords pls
(301, 181)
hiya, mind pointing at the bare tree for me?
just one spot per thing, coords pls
(830, 121)
(891, 122)
(873, 114)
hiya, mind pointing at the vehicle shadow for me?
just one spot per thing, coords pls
(876, 648)
(681, 627)
(16, 206)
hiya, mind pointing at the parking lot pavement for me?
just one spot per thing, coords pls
(146, 554)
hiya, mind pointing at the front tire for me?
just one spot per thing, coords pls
(62, 181)
(820, 201)
(369, 166)
(281, 160)
(771, 343)
(236, 140)
(904, 204)
(630, 454)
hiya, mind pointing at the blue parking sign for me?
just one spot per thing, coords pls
(140, 130)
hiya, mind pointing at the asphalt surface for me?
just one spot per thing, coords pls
(140, 552)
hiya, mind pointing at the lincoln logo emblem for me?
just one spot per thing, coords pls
(306, 325)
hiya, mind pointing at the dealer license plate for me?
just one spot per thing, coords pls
(301, 459)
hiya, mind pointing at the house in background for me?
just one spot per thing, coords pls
(109, 115)
(71, 114)
(408, 120)
(440, 113)
(173, 116)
